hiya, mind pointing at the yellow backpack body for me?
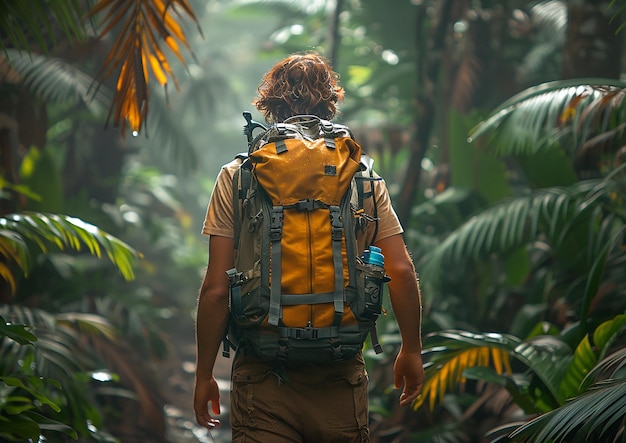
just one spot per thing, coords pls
(299, 290)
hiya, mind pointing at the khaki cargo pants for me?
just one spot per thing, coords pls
(319, 404)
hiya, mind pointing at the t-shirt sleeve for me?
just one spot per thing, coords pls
(388, 222)
(219, 215)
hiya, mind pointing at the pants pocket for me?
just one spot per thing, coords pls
(245, 397)
(351, 408)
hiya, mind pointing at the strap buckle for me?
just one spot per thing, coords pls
(307, 333)
(336, 223)
(235, 277)
(305, 205)
(276, 223)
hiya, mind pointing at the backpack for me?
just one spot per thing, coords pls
(299, 292)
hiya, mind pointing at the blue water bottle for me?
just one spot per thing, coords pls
(373, 256)
(372, 264)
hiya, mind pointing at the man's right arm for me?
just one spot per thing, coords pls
(211, 324)
(406, 301)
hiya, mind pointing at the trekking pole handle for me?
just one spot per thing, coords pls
(250, 126)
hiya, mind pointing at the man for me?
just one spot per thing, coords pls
(319, 403)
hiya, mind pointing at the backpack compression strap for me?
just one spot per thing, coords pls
(337, 231)
(276, 233)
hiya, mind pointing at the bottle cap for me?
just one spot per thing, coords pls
(374, 256)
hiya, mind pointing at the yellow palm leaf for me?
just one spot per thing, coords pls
(7, 275)
(140, 26)
(448, 374)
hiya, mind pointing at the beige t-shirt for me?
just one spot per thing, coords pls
(219, 215)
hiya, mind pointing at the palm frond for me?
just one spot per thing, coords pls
(582, 225)
(608, 367)
(551, 212)
(588, 417)
(53, 80)
(584, 109)
(548, 357)
(453, 356)
(56, 337)
(141, 27)
(450, 353)
(89, 324)
(54, 352)
(26, 25)
(63, 232)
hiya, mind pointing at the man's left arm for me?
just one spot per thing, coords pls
(405, 298)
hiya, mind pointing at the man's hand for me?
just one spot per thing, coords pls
(205, 392)
(409, 375)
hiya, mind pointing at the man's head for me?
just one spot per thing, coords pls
(299, 84)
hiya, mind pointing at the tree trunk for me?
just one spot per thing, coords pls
(428, 72)
(333, 33)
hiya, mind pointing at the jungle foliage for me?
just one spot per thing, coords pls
(502, 145)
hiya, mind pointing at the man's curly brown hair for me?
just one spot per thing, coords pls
(299, 84)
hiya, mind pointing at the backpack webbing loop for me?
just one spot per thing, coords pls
(276, 232)
(375, 343)
(330, 142)
(281, 147)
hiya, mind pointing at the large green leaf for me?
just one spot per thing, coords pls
(17, 332)
(548, 168)
(587, 356)
(26, 384)
(19, 427)
(48, 424)
(584, 359)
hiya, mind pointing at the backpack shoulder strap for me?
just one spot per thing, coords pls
(240, 185)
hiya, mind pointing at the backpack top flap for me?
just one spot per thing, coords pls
(296, 169)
